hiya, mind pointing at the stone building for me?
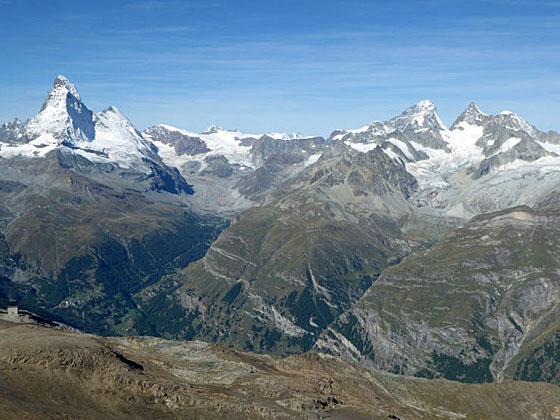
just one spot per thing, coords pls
(13, 310)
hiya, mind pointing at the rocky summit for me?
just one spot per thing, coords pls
(402, 269)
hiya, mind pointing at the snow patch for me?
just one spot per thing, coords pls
(312, 159)
(554, 148)
(362, 147)
(508, 144)
(38, 147)
(402, 147)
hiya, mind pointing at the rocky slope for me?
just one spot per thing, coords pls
(48, 373)
(465, 309)
(283, 272)
(231, 170)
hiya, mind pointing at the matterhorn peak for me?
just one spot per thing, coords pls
(63, 115)
(62, 82)
(425, 105)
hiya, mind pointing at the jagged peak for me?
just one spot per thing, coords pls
(114, 110)
(419, 116)
(62, 82)
(517, 122)
(113, 115)
(474, 109)
(425, 105)
(510, 115)
(63, 115)
(471, 115)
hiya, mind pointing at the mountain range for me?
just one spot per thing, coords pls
(403, 245)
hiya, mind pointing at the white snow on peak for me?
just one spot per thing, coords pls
(363, 129)
(178, 130)
(415, 115)
(418, 114)
(118, 138)
(107, 136)
(219, 141)
(63, 114)
(472, 115)
(419, 117)
(425, 104)
(62, 82)
(517, 122)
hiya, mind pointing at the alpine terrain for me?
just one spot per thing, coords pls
(401, 247)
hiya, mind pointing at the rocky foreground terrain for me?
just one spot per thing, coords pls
(48, 373)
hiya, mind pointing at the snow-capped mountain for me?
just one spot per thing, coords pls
(192, 152)
(451, 165)
(63, 115)
(179, 147)
(481, 163)
(67, 126)
(419, 123)
(65, 122)
(418, 134)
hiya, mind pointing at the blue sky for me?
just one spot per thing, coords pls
(307, 66)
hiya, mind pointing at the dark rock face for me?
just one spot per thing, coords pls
(169, 180)
(218, 166)
(183, 144)
(284, 152)
(81, 119)
(526, 150)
